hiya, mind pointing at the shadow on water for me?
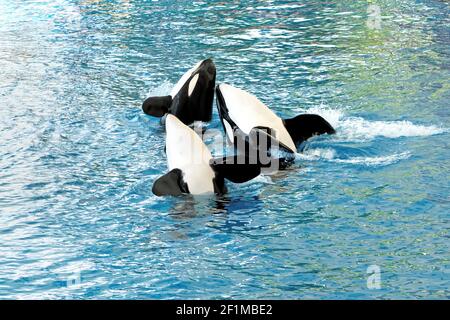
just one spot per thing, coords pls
(226, 213)
(189, 206)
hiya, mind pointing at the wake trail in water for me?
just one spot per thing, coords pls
(329, 154)
(357, 129)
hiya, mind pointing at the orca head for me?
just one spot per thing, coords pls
(191, 98)
(207, 67)
(204, 68)
(193, 95)
(260, 142)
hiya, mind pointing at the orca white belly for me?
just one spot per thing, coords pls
(248, 112)
(186, 151)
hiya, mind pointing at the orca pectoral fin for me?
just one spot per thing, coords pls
(253, 140)
(263, 139)
(237, 169)
(157, 106)
(304, 126)
(170, 184)
(263, 148)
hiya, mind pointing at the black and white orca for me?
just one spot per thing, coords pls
(191, 98)
(192, 169)
(242, 115)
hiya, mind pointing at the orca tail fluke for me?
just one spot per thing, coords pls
(170, 184)
(157, 106)
(235, 168)
(305, 126)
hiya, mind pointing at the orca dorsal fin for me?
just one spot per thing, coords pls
(237, 168)
(170, 184)
(304, 126)
(157, 106)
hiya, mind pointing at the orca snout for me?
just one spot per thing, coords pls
(209, 67)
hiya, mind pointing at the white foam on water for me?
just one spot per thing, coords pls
(263, 178)
(357, 128)
(376, 161)
(316, 154)
(329, 154)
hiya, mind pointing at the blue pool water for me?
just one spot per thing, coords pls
(78, 157)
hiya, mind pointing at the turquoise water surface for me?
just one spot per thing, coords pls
(362, 214)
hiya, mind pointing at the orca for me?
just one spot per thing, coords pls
(193, 170)
(242, 114)
(190, 99)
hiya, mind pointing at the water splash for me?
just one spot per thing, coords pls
(359, 129)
